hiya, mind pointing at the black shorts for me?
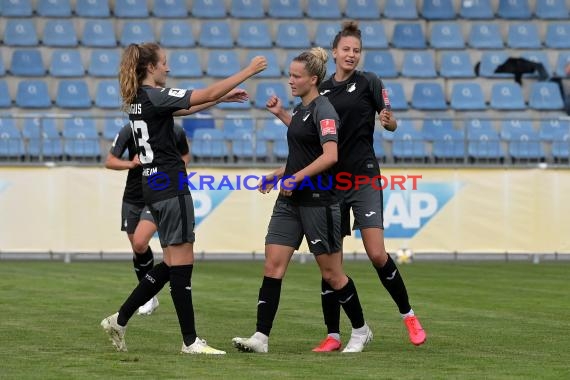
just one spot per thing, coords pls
(367, 207)
(320, 225)
(131, 215)
(175, 220)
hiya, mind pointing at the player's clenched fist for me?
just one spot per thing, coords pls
(258, 64)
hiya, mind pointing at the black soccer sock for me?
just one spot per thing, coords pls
(394, 284)
(147, 288)
(348, 299)
(267, 304)
(181, 293)
(143, 263)
(331, 308)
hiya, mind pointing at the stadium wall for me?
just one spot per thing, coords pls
(77, 210)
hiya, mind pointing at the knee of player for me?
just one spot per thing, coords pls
(140, 245)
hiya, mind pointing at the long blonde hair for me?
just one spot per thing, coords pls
(132, 70)
(315, 61)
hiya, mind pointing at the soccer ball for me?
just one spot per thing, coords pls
(404, 256)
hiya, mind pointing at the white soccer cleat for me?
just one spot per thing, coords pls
(359, 339)
(258, 342)
(115, 331)
(200, 347)
(148, 307)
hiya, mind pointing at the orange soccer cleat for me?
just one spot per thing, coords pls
(417, 333)
(329, 344)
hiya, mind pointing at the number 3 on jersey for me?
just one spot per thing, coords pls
(140, 133)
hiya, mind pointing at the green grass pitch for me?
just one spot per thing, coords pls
(483, 320)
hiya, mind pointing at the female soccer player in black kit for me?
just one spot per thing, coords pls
(357, 96)
(306, 206)
(151, 107)
(136, 218)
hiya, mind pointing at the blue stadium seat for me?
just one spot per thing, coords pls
(54, 8)
(446, 35)
(222, 64)
(112, 126)
(485, 36)
(550, 129)
(92, 8)
(418, 64)
(408, 144)
(176, 34)
(436, 128)
(381, 63)
(264, 90)
(81, 139)
(99, 33)
(438, 10)
(234, 106)
(428, 96)
(561, 63)
(16, 8)
(43, 137)
(476, 127)
(209, 9)
(136, 32)
(169, 9)
(201, 120)
(273, 68)
(209, 143)
(185, 63)
(378, 146)
(557, 36)
(362, 9)
(191, 84)
(285, 9)
(408, 36)
(373, 36)
(292, 35)
(216, 34)
(73, 94)
(467, 97)
(66, 63)
(476, 9)
(104, 63)
(397, 97)
(545, 96)
(484, 145)
(326, 32)
(507, 96)
(59, 33)
(512, 128)
(248, 145)
(20, 32)
(107, 94)
(2, 67)
(456, 64)
(561, 147)
(247, 9)
(232, 125)
(131, 9)
(526, 146)
(538, 56)
(400, 10)
(27, 63)
(404, 126)
(490, 61)
(254, 34)
(33, 94)
(551, 9)
(11, 143)
(523, 36)
(451, 145)
(5, 98)
(273, 129)
(514, 9)
(323, 9)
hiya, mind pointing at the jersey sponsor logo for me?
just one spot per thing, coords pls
(406, 212)
(324, 92)
(350, 87)
(306, 116)
(176, 92)
(328, 127)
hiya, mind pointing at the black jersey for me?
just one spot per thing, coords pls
(357, 101)
(153, 129)
(124, 141)
(310, 128)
